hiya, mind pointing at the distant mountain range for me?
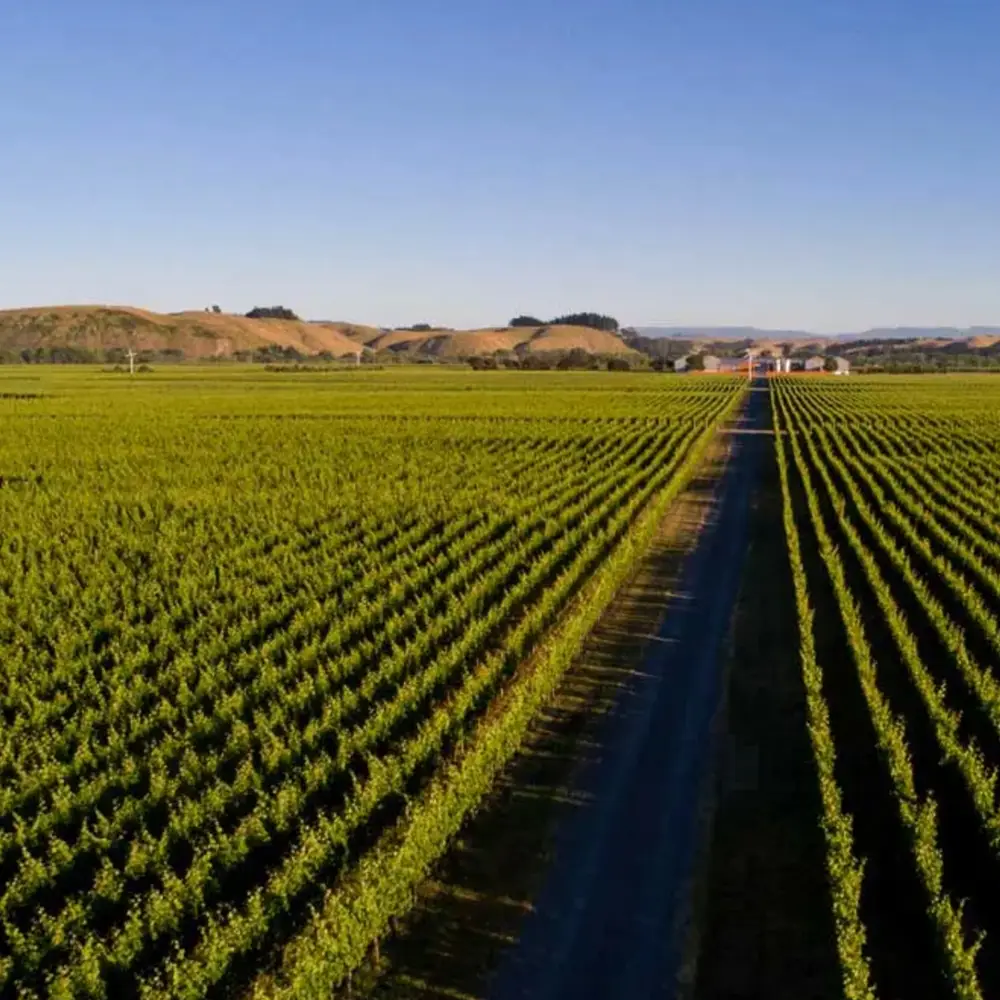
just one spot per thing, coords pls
(876, 333)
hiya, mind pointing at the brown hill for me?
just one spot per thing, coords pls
(983, 340)
(197, 334)
(523, 339)
(205, 335)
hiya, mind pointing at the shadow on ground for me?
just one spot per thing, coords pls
(472, 911)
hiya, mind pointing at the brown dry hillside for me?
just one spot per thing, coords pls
(525, 339)
(983, 340)
(197, 334)
(204, 335)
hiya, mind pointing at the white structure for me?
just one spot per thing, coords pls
(814, 364)
(843, 366)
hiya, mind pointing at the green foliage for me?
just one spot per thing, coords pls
(596, 320)
(844, 870)
(252, 629)
(874, 479)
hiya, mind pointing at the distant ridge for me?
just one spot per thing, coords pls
(875, 333)
(723, 333)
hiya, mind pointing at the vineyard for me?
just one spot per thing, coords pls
(892, 522)
(267, 639)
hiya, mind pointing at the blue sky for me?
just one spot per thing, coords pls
(794, 163)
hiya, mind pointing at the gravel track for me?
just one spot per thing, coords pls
(611, 919)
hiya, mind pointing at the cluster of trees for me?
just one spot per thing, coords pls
(122, 369)
(270, 353)
(669, 348)
(915, 365)
(315, 368)
(596, 321)
(71, 355)
(576, 359)
(50, 356)
(271, 312)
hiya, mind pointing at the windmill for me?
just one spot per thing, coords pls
(750, 355)
(131, 361)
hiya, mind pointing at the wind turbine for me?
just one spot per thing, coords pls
(131, 361)
(750, 355)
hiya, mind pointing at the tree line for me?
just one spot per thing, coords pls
(597, 321)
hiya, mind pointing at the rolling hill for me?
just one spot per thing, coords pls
(215, 335)
(197, 334)
(521, 340)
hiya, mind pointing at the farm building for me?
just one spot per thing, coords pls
(732, 365)
(712, 363)
(839, 366)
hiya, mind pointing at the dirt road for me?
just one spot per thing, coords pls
(610, 921)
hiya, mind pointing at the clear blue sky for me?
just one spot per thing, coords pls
(807, 163)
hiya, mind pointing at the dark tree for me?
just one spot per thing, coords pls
(271, 312)
(525, 321)
(595, 320)
(577, 358)
(481, 363)
(536, 362)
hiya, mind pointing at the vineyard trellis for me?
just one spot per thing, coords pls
(267, 639)
(266, 642)
(891, 482)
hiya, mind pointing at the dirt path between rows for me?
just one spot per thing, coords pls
(572, 880)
